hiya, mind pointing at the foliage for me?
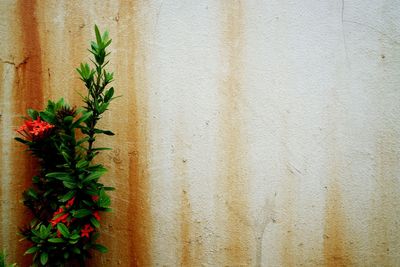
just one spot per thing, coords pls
(67, 198)
(3, 262)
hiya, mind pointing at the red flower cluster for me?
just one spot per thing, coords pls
(59, 216)
(70, 203)
(86, 230)
(96, 215)
(35, 129)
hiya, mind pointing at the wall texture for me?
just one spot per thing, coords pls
(250, 133)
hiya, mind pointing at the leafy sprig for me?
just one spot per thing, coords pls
(66, 197)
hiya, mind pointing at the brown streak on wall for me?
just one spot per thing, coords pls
(232, 177)
(185, 220)
(138, 214)
(27, 93)
(334, 238)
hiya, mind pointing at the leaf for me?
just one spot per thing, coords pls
(109, 94)
(32, 113)
(83, 118)
(63, 230)
(56, 240)
(101, 148)
(43, 233)
(32, 193)
(68, 119)
(109, 188)
(82, 163)
(69, 185)
(67, 196)
(106, 132)
(48, 117)
(95, 222)
(23, 141)
(44, 258)
(74, 236)
(83, 140)
(81, 213)
(62, 176)
(104, 199)
(76, 250)
(94, 175)
(31, 250)
(98, 36)
(100, 248)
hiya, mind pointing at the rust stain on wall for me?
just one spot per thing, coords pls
(27, 93)
(185, 218)
(190, 249)
(335, 251)
(233, 212)
(139, 222)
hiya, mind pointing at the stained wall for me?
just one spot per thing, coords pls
(249, 133)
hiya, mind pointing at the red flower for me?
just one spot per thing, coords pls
(58, 233)
(95, 198)
(86, 230)
(96, 215)
(59, 217)
(70, 202)
(35, 129)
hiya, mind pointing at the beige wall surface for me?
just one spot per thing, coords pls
(249, 133)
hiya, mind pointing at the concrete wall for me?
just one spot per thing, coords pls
(250, 133)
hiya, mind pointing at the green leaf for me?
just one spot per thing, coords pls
(62, 176)
(68, 119)
(98, 36)
(104, 199)
(69, 185)
(100, 248)
(83, 140)
(32, 193)
(31, 250)
(32, 113)
(95, 222)
(109, 94)
(81, 213)
(43, 233)
(67, 196)
(76, 250)
(109, 188)
(83, 118)
(74, 236)
(94, 175)
(44, 258)
(23, 141)
(101, 148)
(106, 132)
(63, 230)
(82, 163)
(56, 240)
(48, 117)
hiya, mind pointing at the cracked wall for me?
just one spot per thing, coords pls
(250, 133)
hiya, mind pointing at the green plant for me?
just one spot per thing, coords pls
(3, 261)
(67, 198)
